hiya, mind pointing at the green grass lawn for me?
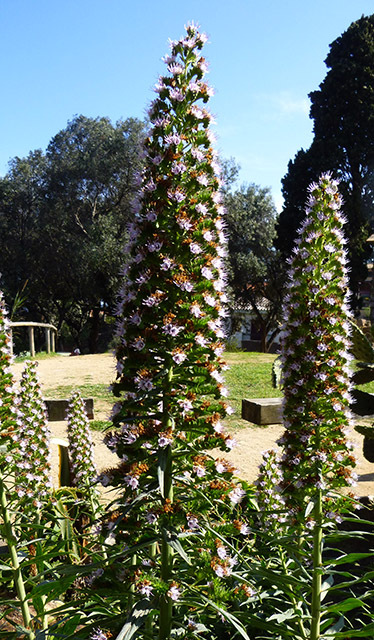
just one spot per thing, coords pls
(248, 376)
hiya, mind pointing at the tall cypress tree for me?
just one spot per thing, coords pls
(343, 113)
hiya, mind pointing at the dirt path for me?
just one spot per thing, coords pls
(99, 369)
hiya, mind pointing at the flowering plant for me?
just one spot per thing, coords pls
(32, 445)
(9, 416)
(82, 465)
(316, 358)
(300, 493)
(176, 497)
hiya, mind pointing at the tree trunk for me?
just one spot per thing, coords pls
(94, 331)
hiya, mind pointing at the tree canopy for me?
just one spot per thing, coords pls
(254, 268)
(63, 217)
(343, 113)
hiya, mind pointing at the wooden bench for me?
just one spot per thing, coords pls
(262, 410)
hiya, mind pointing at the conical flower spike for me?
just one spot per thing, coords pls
(171, 309)
(8, 392)
(80, 443)
(170, 384)
(33, 478)
(316, 371)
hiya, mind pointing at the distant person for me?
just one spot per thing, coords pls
(76, 352)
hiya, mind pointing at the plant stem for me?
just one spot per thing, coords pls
(317, 569)
(293, 598)
(18, 578)
(40, 568)
(149, 622)
(166, 550)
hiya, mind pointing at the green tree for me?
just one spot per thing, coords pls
(63, 221)
(255, 270)
(21, 200)
(343, 113)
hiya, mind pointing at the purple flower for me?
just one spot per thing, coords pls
(236, 495)
(166, 264)
(164, 441)
(177, 195)
(174, 593)
(98, 634)
(195, 248)
(173, 138)
(176, 94)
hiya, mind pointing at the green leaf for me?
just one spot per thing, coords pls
(136, 619)
(228, 616)
(285, 615)
(349, 558)
(338, 626)
(309, 508)
(171, 538)
(365, 430)
(365, 632)
(326, 586)
(161, 467)
(52, 589)
(346, 605)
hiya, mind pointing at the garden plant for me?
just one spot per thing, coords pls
(179, 517)
(185, 549)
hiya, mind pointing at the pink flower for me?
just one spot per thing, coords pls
(202, 209)
(176, 94)
(196, 311)
(195, 248)
(177, 195)
(138, 344)
(154, 246)
(203, 180)
(236, 495)
(200, 340)
(146, 590)
(174, 593)
(198, 155)
(167, 264)
(175, 69)
(164, 441)
(185, 404)
(173, 138)
(207, 273)
(192, 523)
(200, 471)
(179, 357)
(172, 329)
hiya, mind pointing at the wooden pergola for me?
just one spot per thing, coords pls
(50, 335)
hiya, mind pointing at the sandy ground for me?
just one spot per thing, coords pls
(251, 441)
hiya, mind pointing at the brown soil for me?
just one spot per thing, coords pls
(99, 369)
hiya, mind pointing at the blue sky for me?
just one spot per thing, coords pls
(61, 58)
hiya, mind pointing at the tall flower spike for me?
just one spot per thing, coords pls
(316, 371)
(171, 308)
(8, 393)
(80, 443)
(33, 479)
(170, 338)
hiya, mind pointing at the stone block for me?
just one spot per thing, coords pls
(57, 408)
(363, 403)
(262, 410)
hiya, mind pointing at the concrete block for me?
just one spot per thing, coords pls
(363, 403)
(262, 410)
(57, 408)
